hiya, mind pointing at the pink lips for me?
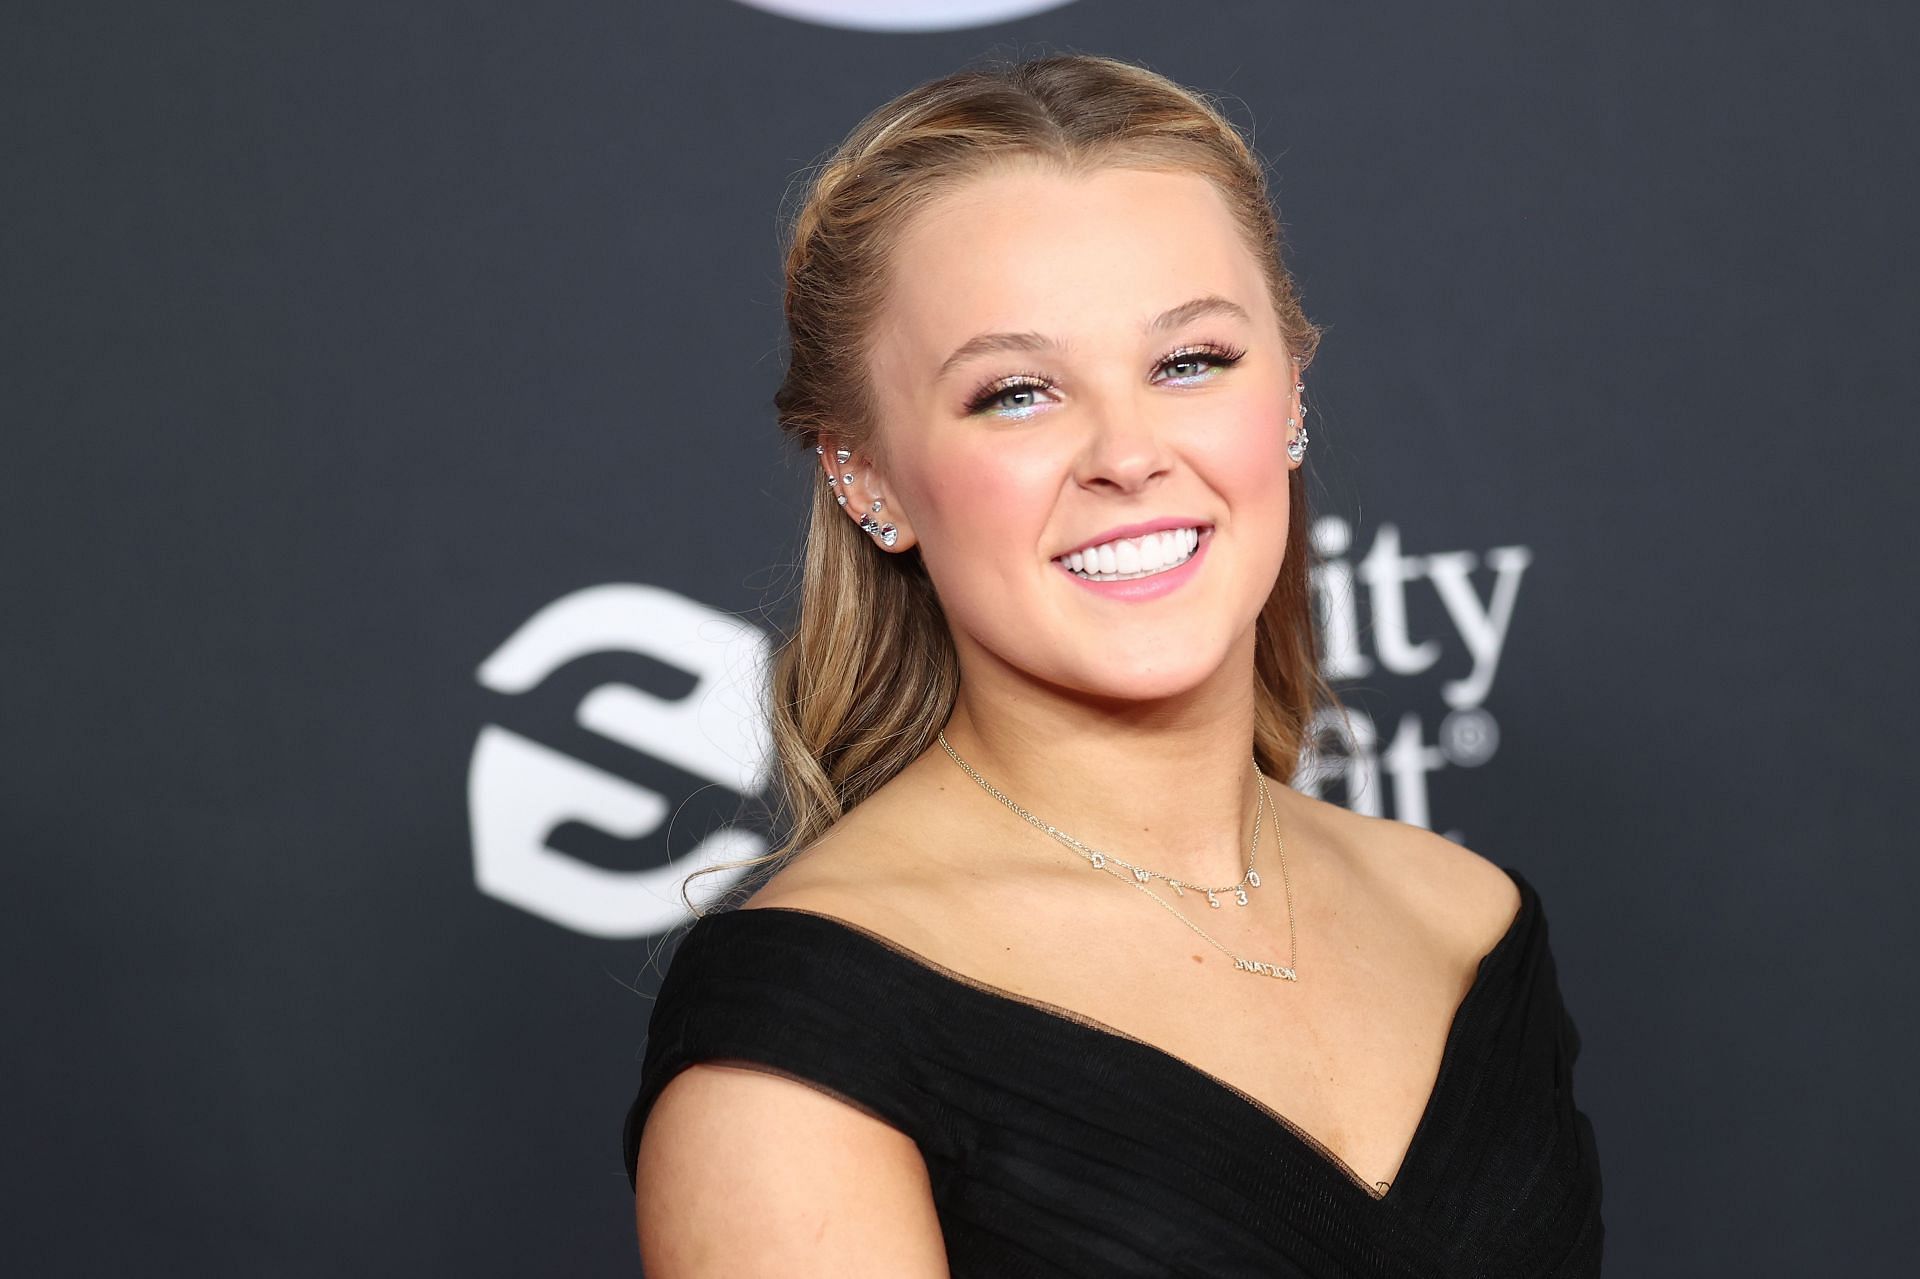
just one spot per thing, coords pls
(1146, 588)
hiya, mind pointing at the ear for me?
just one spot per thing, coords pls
(863, 495)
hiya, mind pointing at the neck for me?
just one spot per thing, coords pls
(1172, 794)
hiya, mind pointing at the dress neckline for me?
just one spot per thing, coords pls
(1489, 964)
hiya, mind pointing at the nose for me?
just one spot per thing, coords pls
(1124, 451)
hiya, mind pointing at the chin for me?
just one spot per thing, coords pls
(1142, 681)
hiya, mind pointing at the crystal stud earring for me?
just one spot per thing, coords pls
(887, 533)
(842, 455)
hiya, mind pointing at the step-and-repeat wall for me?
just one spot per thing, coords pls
(395, 522)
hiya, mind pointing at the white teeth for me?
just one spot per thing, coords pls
(1131, 557)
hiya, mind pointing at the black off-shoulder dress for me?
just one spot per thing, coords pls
(1058, 1145)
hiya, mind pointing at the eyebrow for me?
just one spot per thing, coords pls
(982, 344)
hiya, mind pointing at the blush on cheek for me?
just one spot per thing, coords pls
(1248, 467)
(975, 510)
(1255, 446)
(996, 487)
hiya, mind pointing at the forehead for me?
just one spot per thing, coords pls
(1079, 257)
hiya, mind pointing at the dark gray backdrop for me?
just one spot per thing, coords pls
(342, 339)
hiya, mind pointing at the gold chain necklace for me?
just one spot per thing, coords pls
(1140, 875)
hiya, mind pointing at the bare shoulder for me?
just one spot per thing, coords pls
(856, 872)
(1467, 897)
(834, 1191)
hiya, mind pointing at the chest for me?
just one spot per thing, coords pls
(1347, 1056)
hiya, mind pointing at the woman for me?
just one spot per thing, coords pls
(1054, 659)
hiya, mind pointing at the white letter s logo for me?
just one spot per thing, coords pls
(518, 791)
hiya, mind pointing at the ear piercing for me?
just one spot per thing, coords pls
(1297, 442)
(1297, 446)
(886, 534)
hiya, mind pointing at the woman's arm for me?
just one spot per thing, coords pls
(745, 1173)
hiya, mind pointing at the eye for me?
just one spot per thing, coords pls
(1198, 359)
(1000, 391)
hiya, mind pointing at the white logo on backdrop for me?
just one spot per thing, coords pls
(519, 791)
(1466, 736)
(905, 15)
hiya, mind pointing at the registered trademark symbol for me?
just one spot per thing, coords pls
(1469, 737)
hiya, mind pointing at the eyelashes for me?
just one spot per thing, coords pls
(1216, 354)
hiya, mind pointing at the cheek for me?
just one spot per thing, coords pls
(975, 506)
(1249, 458)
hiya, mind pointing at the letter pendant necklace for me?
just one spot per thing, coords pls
(1139, 876)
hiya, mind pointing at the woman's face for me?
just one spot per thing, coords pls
(1063, 360)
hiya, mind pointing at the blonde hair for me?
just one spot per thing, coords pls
(867, 677)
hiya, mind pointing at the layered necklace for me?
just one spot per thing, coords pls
(1140, 876)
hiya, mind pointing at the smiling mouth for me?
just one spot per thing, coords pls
(1126, 558)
